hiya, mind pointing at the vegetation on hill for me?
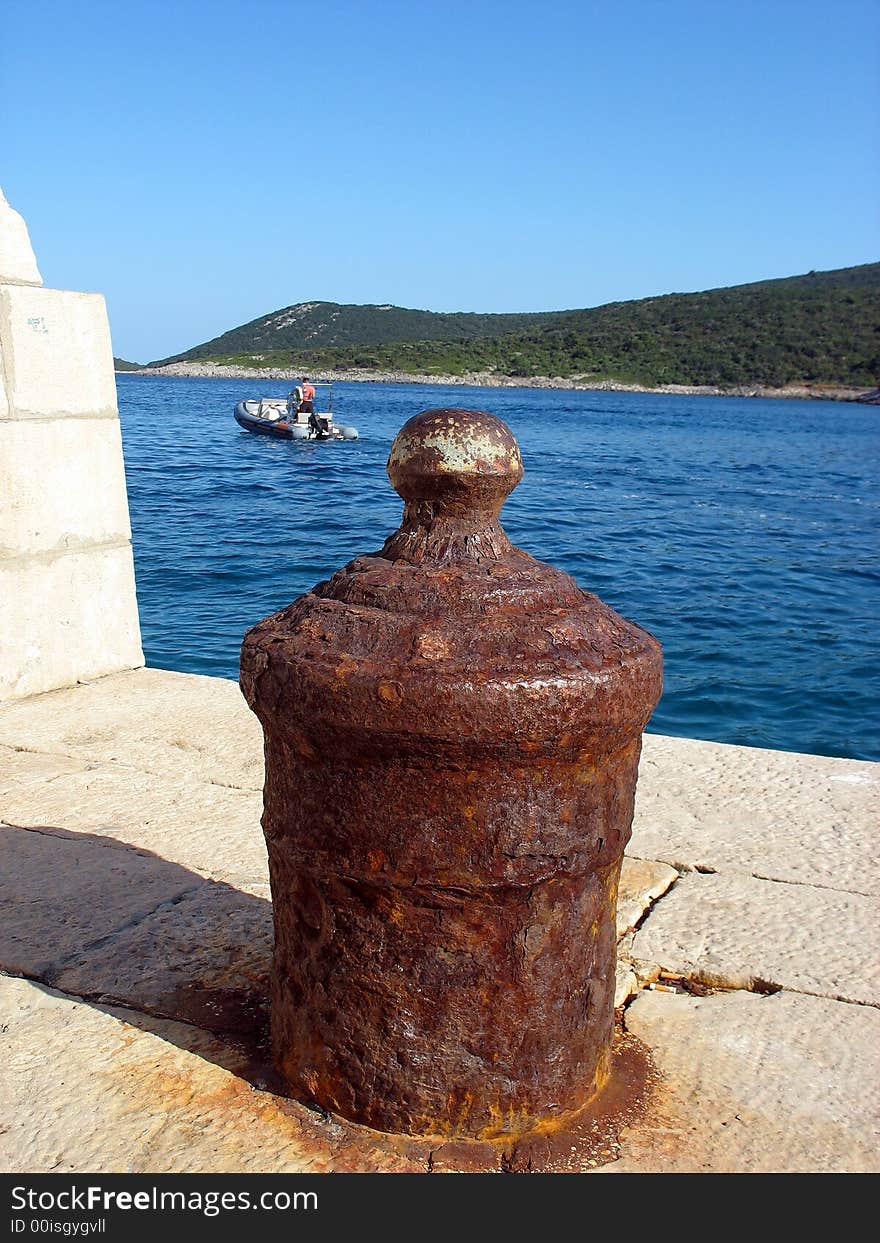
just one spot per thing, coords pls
(120, 364)
(320, 325)
(822, 328)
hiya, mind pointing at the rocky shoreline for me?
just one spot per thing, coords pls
(482, 379)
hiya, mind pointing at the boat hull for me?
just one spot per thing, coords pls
(280, 429)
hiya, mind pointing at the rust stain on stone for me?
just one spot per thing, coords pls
(482, 743)
(248, 1112)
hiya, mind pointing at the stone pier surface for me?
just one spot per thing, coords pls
(136, 939)
(67, 600)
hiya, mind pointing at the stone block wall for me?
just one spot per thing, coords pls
(68, 610)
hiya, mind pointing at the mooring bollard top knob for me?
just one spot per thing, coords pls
(454, 470)
(454, 454)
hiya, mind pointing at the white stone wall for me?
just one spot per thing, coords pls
(17, 263)
(68, 610)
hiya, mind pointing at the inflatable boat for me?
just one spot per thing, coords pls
(292, 419)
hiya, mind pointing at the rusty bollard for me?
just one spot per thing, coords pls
(452, 739)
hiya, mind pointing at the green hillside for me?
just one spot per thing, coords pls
(823, 327)
(819, 328)
(122, 364)
(315, 325)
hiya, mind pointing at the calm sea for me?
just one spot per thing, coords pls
(742, 533)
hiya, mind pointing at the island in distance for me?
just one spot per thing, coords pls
(812, 335)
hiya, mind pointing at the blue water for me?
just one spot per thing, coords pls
(741, 532)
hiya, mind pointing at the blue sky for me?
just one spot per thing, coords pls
(204, 164)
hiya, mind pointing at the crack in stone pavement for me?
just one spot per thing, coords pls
(705, 869)
(647, 972)
(95, 765)
(650, 972)
(107, 999)
(652, 902)
(73, 835)
(625, 959)
(806, 884)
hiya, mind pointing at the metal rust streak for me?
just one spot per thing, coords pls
(453, 732)
(519, 697)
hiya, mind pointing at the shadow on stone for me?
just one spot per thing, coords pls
(119, 926)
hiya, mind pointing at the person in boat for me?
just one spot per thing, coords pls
(302, 401)
(307, 396)
(302, 398)
(320, 427)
